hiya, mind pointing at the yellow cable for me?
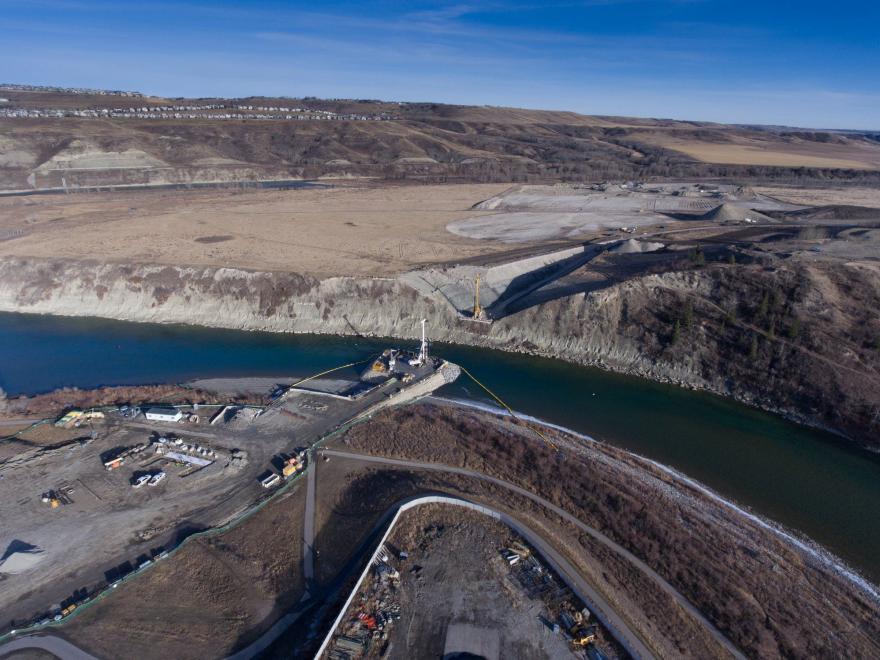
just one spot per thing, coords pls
(509, 409)
(474, 378)
(323, 373)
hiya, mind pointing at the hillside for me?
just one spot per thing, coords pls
(42, 146)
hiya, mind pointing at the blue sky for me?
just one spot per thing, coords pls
(797, 63)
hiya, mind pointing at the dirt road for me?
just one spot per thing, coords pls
(54, 645)
(309, 531)
(598, 536)
(628, 638)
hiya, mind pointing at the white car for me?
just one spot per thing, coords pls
(141, 480)
(159, 476)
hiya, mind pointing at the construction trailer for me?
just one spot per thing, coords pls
(163, 414)
(114, 463)
(271, 480)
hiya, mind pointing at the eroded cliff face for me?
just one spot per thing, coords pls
(694, 328)
(580, 328)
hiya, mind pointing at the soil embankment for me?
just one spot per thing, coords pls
(798, 339)
(762, 592)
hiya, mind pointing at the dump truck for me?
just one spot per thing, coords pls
(293, 465)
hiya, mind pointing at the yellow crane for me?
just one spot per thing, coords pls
(478, 311)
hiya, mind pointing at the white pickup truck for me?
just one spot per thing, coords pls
(141, 480)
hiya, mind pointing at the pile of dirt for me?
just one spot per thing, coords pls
(632, 246)
(20, 561)
(732, 213)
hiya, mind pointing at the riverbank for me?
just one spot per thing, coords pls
(51, 404)
(806, 480)
(621, 328)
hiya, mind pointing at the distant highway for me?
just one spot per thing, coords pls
(258, 183)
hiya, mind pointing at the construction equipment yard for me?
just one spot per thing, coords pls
(511, 578)
(452, 581)
(97, 496)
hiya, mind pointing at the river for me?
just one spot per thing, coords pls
(805, 479)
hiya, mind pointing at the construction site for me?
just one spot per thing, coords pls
(455, 583)
(316, 514)
(439, 530)
(95, 495)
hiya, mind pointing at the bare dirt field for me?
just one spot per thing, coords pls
(102, 522)
(352, 230)
(212, 595)
(531, 213)
(76, 516)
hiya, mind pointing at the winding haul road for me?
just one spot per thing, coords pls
(49, 643)
(565, 515)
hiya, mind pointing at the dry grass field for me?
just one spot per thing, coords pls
(750, 150)
(327, 231)
(427, 142)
